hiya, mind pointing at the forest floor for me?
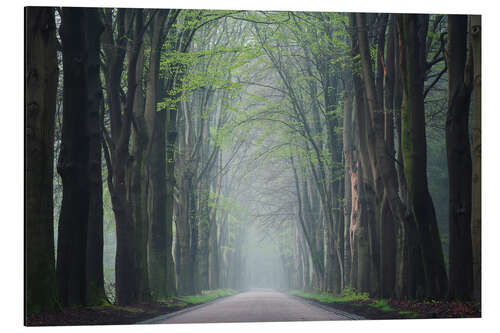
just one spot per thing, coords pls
(369, 308)
(115, 315)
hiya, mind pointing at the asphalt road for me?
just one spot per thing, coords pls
(253, 306)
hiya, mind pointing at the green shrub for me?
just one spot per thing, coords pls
(382, 305)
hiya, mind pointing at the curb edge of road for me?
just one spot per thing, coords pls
(166, 316)
(330, 309)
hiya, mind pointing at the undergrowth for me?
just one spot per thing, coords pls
(382, 305)
(347, 295)
(115, 307)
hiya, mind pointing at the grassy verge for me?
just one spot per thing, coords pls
(358, 303)
(371, 308)
(106, 314)
(347, 295)
(206, 296)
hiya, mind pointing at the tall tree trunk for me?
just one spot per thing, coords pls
(184, 221)
(413, 32)
(392, 210)
(171, 144)
(213, 256)
(137, 176)
(306, 278)
(459, 160)
(95, 237)
(475, 29)
(317, 258)
(73, 164)
(402, 229)
(334, 253)
(118, 160)
(390, 206)
(310, 208)
(41, 74)
(214, 244)
(203, 220)
(161, 164)
(362, 184)
(157, 167)
(182, 240)
(298, 272)
(349, 161)
(193, 258)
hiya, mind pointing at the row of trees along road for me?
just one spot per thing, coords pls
(176, 136)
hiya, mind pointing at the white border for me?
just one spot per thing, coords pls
(12, 166)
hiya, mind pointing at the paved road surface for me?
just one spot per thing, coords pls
(254, 306)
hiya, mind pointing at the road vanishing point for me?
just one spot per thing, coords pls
(253, 306)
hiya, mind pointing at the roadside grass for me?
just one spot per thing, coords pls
(409, 314)
(174, 302)
(349, 296)
(206, 296)
(110, 314)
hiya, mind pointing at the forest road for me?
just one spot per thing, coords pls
(253, 306)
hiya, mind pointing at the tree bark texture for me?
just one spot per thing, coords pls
(161, 264)
(363, 225)
(74, 163)
(475, 31)
(459, 160)
(159, 251)
(129, 282)
(95, 237)
(413, 32)
(137, 177)
(41, 75)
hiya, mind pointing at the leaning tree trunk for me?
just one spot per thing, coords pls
(40, 105)
(459, 160)
(316, 257)
(310, 205)
(73, 164)
(475, 28)
(413, 32)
